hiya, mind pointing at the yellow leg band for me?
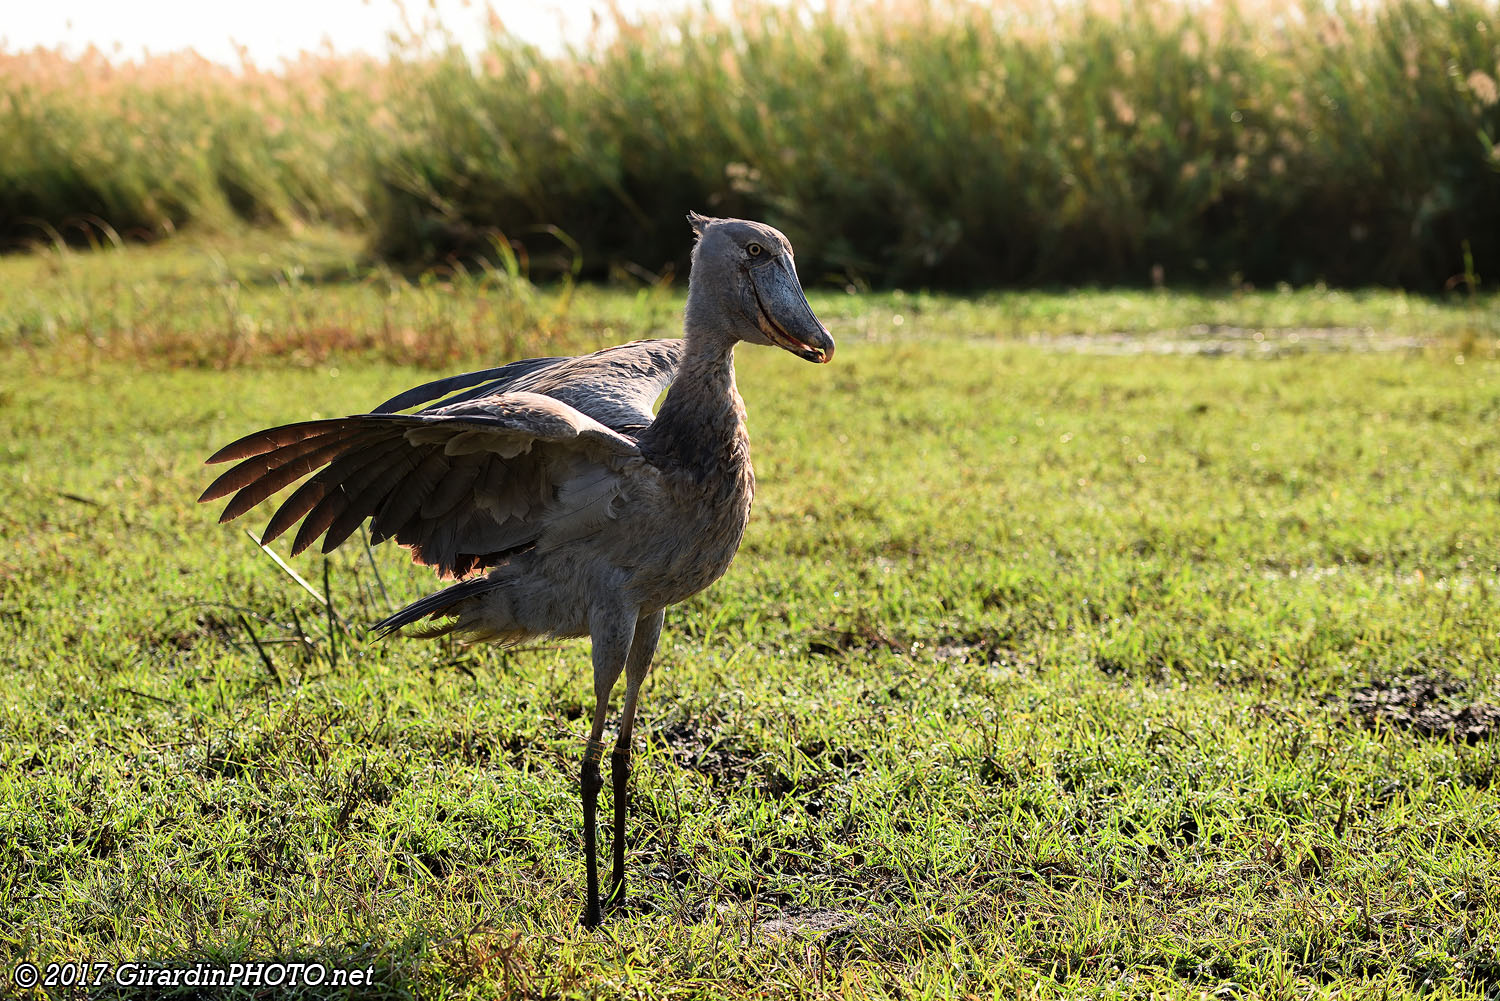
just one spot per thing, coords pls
(593, 751)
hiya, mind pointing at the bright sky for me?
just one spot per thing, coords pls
(276, 29)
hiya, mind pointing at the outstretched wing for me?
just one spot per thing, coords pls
(485, 382)
(463, 485)
(616, 386)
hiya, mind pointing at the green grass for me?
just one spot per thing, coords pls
(216, 301)
(1032, 677)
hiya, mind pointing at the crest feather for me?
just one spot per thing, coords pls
(700, 223)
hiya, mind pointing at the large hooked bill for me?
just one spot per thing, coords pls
(786, 319)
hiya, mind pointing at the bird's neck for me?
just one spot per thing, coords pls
(703, 415)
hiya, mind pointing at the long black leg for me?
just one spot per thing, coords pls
(613, 633)
(590, 783)
(642, 648)
(619, 770)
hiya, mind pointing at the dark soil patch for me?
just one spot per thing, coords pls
(207, 626)
(698, 746)
(1426, 707)
(861, 637)
(781, 872)
(482, 748)
(865, 638)
(809, 923)
(979, 648)
(726, 760)
(841, 758)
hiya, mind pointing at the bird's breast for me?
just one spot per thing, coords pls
(702, 510)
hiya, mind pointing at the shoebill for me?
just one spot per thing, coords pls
(548, 491)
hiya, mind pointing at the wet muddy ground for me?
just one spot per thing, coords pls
(1432, 707)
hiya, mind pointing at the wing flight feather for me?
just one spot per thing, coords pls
(459, 484)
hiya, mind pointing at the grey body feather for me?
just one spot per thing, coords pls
(548, 486)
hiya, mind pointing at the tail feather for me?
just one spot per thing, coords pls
(434, 605)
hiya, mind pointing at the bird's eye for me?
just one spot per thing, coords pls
(754, 249)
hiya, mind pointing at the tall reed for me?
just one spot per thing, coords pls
(913, 142)
(89, 146)
(956, 143)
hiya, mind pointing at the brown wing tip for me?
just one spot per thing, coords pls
(269, 439)
(221, 487)
(242, 449)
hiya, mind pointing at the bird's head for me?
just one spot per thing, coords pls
(744, 284)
